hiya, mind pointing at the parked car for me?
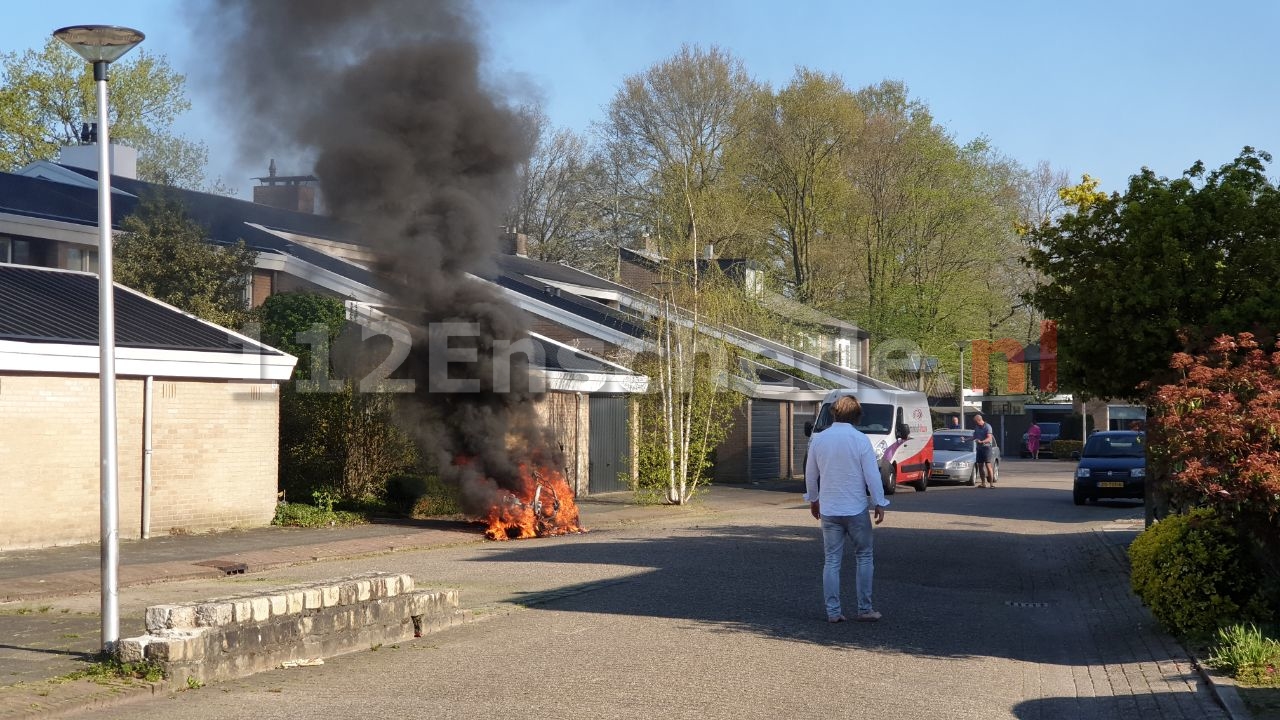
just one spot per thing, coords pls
(954, 456)
(1049, 431)
(1112, 465)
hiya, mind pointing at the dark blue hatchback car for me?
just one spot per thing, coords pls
(1113, 465)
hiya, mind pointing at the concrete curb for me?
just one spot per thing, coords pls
(1223, 690)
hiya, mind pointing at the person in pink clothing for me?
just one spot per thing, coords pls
(1033, 441)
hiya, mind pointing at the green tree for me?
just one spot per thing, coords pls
(45, 95)
(924, 229)
(1133, 278)
(164, 253)
(689, 410)
(792, 150)
(667, 132)
(333, 437)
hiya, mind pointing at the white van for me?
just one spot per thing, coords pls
(900, 429)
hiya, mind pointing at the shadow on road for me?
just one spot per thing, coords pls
(944, 593)
(1126, 706)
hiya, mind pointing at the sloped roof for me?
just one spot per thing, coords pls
(60, 306)
(230, 219)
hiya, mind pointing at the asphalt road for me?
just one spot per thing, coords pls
(1009, 602)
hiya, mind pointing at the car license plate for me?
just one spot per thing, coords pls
(1111, 484)
(939, 473)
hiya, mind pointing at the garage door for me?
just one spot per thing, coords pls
(766, 443)
(609, 447)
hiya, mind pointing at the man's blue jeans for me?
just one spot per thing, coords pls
(835, 528)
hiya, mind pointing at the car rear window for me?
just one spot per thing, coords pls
(1111, 446)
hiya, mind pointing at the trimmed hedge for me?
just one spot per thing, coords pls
(1062, 449)
(1197, 575)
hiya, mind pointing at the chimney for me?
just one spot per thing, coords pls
(287, 192)
(514, 243)
(122, 159)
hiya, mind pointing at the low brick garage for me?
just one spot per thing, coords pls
(214, 420)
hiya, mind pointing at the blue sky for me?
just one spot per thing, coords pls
(1094, 87)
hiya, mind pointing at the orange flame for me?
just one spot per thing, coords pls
(543, 504)
(543, 507)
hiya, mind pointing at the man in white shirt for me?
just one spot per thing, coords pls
(840, 474)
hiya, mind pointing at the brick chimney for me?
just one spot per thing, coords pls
(287, 192)
(514, 243)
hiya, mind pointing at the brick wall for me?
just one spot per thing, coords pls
(637, 276)
(568, 418)
(214, 460)
(263, 286)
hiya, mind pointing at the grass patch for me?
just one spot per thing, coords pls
(108, 669)
(1248, 655)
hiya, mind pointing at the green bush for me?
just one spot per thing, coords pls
(303, 515)
(1062, 449)
(1248, 655)
(422, 495)
(1197, 575)
(436, 499)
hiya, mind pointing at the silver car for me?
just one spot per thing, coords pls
(954, 455)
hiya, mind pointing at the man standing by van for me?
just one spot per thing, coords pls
(840, 474)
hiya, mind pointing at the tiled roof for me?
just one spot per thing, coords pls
(59, 306)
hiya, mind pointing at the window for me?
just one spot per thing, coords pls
(82, 259)
(6, 250)
(21, 253)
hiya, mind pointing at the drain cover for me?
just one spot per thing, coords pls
(1022, 604)
(228, 567)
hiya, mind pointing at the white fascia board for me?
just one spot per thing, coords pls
(584, 382)
(760, 391)
(345, 287)
(581, 290)
(761, 346)
(60, 230)
(573, 350)
(358, 255)
(54, 358)
(574, 321)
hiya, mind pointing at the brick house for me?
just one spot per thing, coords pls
(206, 397)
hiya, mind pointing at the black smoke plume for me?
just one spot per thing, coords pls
(386, 100)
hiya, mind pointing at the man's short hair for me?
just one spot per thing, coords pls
(846, 409)
(978, 416)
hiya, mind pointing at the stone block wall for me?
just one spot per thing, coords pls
(236, 636)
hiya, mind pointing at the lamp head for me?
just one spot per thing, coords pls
(99, 43)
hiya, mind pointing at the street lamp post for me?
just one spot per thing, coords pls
(103, 45)
(961, 345)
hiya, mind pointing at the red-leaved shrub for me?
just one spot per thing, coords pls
(1217, 431)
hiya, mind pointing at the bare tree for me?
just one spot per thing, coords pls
(553, 208)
